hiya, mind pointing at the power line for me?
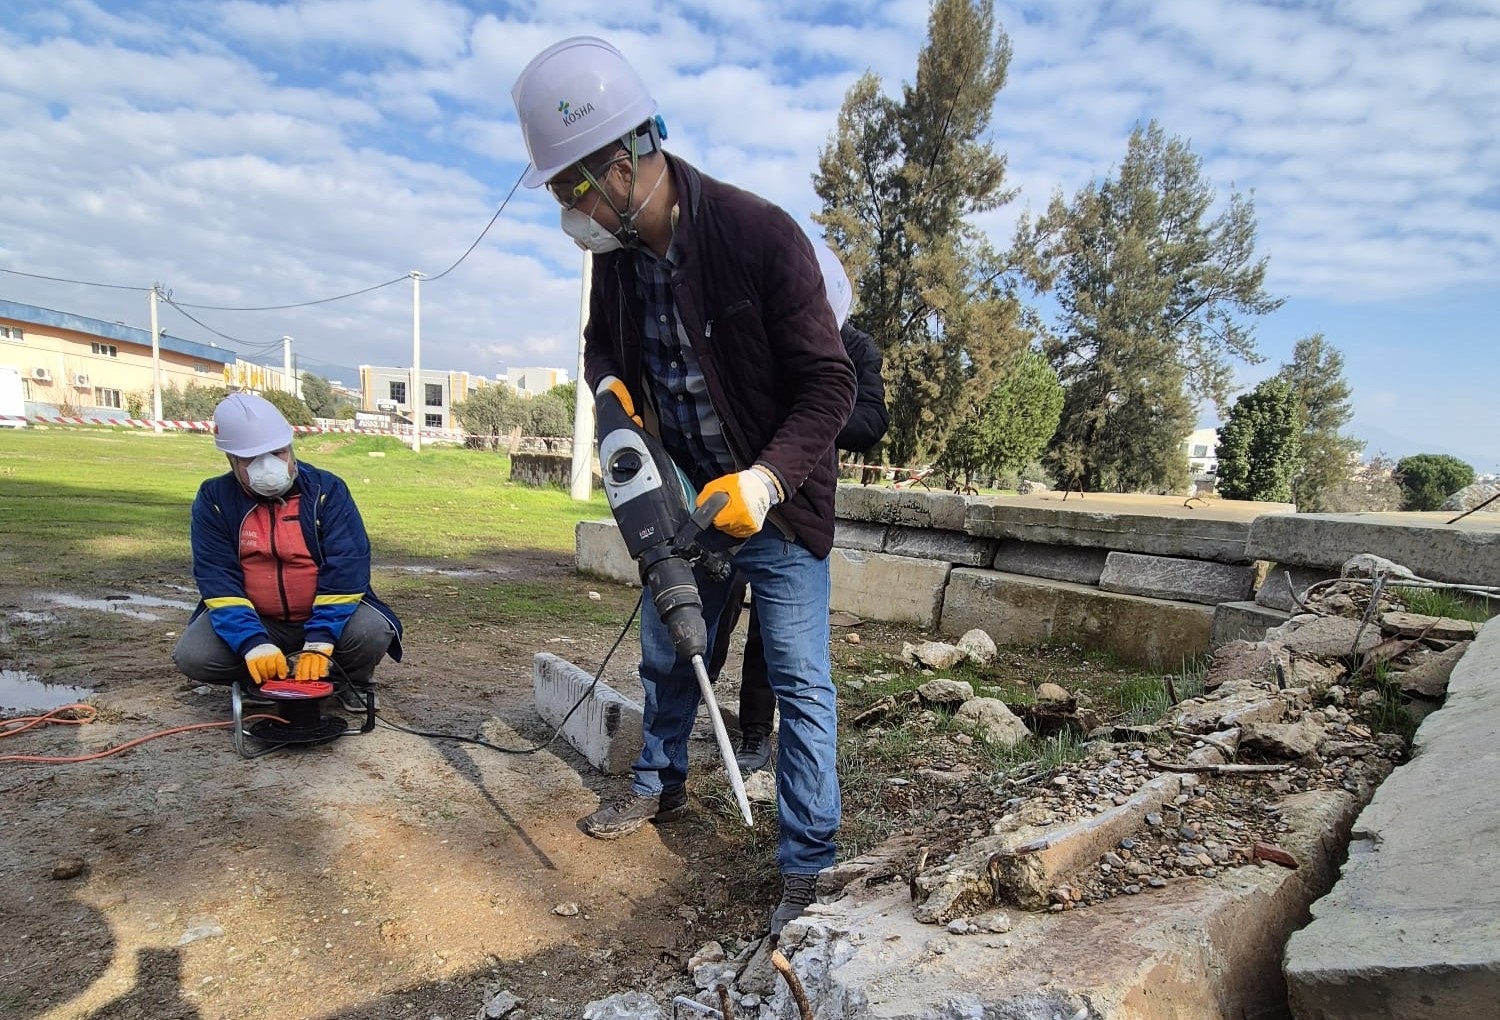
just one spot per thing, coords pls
(258, 345)
(299, 304)
(81, 283)
(486, 230)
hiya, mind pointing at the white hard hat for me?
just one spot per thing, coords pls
(248, 425)
(574, 98)
(835, 282)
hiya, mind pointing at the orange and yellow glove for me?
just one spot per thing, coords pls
(751, 494)
(612, 384)
(312, 664)
(265, 662)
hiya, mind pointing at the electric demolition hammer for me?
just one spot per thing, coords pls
(649, 500)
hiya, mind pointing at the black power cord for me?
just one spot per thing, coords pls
(460, 738)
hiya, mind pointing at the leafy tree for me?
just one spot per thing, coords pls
(318, 394)
(1427, 479)
(1316, 376)
(1260, 444)
(899, 180)
(192, 402)
(1011, 426)
(1370, 488)
(1152, 291)
(290, 405)
(550, 414)
(491, 411)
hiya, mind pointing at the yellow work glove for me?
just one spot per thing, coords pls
(312, 664)
(265, 662)
(611, 384)
(751, 495)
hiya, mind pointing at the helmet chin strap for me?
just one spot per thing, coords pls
(628, 233)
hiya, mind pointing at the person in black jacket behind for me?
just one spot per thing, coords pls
(866, 427)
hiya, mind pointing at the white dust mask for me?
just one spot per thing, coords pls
(268, 475)
(587, 234)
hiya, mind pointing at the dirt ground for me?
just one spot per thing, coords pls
(387, 875)
(382, 875)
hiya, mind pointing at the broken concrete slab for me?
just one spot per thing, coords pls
(1155, 531)
(1327, 637)
(1205, 950)
(1243, 621)
(1412, 929)
(1031, 610)
(1055, 562)
(1236, 703)
(1428, 677)
(606, 728)
(1465, 553)
(1285, 740)
(1439, 628)
(1172, 577)
(895, 589)
(1018, 868)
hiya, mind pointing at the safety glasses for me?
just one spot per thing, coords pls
(569, 191)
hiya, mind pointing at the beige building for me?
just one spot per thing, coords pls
(532, 382)
(383, 388)
(78, 365)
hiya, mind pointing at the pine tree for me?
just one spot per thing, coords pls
(1011, 426)
(1316, 376)
(1427, 479)
(1260, 444)
(1152, 292)
(897, 180)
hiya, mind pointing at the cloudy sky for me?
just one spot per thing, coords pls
(249, 154)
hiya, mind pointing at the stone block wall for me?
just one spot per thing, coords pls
(1151, 580)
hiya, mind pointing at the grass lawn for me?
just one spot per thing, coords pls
(96, 496)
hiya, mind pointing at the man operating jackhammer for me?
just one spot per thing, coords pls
(708, 323)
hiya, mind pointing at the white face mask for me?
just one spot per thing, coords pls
(587, 234)
(590, 236)
(268, 475)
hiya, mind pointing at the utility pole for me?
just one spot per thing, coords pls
(417, 401)
(582, 477)
(286, 365)
(155, 362)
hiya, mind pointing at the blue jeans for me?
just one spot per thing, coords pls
(791, 588)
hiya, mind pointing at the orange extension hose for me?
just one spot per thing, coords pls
(79, 715)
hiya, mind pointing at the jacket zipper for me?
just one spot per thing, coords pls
(286, 610)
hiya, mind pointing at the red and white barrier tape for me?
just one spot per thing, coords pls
(208, 426)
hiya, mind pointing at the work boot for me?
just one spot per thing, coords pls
(754, 752)
(624, 816)
(673, 806)
(353, 698)
(798, 892)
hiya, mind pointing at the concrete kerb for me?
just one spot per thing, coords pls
(606, 728)
(1412, 929)
(1464, 553)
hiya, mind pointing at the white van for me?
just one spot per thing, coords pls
(12, 398)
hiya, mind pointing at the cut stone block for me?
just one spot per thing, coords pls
(952, 546)
(859, 535)
(1015, 610)
(1056, 562)
(606, 729)
(1187, 533)
(1170, 577)
(942, 510)
(1243, 621)
(600, 551)
(1412, 928)
(1276, 593)
(895, 589)
(1464, 553)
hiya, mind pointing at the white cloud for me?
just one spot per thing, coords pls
(248, 152)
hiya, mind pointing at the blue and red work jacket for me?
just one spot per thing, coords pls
(303, 558)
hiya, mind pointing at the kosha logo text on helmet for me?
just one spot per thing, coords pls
(573, 114)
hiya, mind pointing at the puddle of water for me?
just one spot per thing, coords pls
(27, 616)
(22, 693)
(119, 604)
